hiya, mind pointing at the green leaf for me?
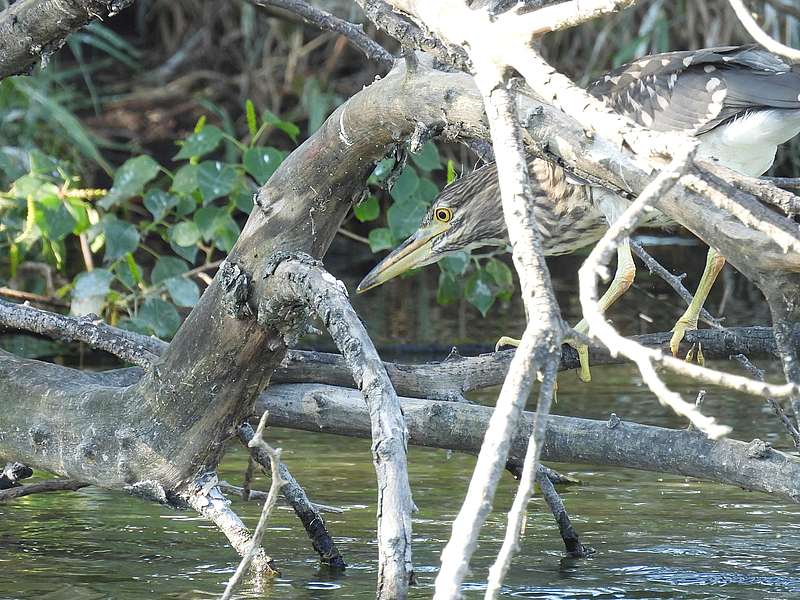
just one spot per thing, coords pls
(167, 267)
(451, 172)
(368, 210)
(125, 274)
(34, 187)
(187, 252)
(183, 291)
(184, 234)
(427, 158)
(252, 121)
(54, 220)
(286, 127)
(186, 205)
(121, 237)
(478, 291)
(200, 143)
(426, 191)
(159, 203)
(455, 263)
(77, 208)
(205, 218)
(215, 179)
(130, 179)
(261, 162)
(226, 232)
(382, 170)
(160, 316)
(243, 199)
(450, 289)
(317, 102)
(500, 273)
(133, 268)
(380, 239)
(185, 180)
(92, 283)
(404, 218)
(406, 185)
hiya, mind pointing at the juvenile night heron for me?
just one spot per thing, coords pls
(740, 102)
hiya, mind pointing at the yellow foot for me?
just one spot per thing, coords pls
(679, 332)
(506, 341)
(584, 374)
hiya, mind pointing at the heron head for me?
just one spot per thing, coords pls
(466, 215)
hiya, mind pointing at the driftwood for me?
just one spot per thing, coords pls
(439, 424)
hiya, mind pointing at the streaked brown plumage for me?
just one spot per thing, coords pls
(741, 102)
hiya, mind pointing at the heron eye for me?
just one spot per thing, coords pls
(443, 215)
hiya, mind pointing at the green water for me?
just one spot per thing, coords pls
(656, 536)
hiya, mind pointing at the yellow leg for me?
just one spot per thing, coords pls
(623, 278)
(714, 264)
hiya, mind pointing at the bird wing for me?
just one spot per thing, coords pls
(696, 91)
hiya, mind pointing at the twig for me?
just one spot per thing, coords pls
(248, 478)
(54, 485)
(31, 297)
(757, 373)
(572, 542)
(530, 472)
(257, 441)
(296, 497)
(759, 35)
(259, 496)
(674, 282)
(542, 334)
(324, 20)
(89, 329)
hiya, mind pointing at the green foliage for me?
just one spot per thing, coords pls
(149, 234)
(479, 279)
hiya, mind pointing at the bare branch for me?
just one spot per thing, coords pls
(32, 28)
(89, 329)
(295, 496)
(759, 35)
(296, 278)
(54, 485)
(254, 548)
(328, 22)
(674, 282)
(530, 473)
(620, 443)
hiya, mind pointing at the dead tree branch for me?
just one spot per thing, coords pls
(33, 28)
(295, 496)
(328, 22)
(299, 278)
(759, 35)
(254, 550)
(461, 427)
(53, 485)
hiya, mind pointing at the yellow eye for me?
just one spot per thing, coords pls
(443, 215)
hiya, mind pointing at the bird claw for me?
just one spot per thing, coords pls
(679, 332)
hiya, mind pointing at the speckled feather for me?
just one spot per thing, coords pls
(695, 92)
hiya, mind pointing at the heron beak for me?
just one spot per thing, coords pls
(415, 252)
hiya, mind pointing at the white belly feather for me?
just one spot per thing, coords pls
(748, 144)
